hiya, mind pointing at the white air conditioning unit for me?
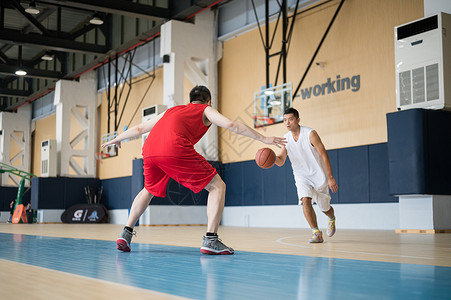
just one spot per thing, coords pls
(423, 63)
(150, 113)
(48, 158)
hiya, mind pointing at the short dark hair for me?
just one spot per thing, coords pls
(292, 111)
(200, 93)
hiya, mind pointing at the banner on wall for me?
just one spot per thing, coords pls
(85, 213)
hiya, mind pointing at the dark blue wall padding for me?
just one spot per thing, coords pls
(419, 147)
(248, 184)
(233, 178)
(438, 152)
(333, 157)
(378, 174)
(253, 184)
(117, 192)
(361, 174)
(278, 185)
(176, 194)
(59, 192)
(137, 178)
(9, 193)
(406, 152)
(353, 171)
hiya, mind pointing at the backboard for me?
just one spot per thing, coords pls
(270, 104)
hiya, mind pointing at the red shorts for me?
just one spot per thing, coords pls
(193, 172)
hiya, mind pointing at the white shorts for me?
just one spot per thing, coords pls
(319, 196)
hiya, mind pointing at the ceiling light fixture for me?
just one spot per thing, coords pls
(47, 56)
(20, 71)
(31, 9)
(96, 20)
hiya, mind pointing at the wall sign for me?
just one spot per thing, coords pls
(332, 86)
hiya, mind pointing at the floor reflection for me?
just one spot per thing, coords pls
(183, 271)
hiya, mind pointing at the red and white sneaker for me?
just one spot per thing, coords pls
(124, 240)
(214, 246)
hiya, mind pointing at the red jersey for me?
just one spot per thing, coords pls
(176, 133)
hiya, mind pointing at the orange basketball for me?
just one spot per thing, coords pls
(265, 158)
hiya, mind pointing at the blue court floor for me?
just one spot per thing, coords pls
(183, 271)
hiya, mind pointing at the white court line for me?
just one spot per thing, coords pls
(288, 244)
(344, 251)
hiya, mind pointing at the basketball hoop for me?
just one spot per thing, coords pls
(270, 104)
(111, 150)
(262, 121)
(100, 156)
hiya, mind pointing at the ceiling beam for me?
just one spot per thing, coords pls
(148, 36)
(182, 9)
(82, 31)
(117, 7)
(35, 73)
(3, 58)
(42, 16)
(14, 92)
(29, 17)
(51, 43)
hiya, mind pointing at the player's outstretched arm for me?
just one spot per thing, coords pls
(219, 120)
(281, 158)
(134, 131)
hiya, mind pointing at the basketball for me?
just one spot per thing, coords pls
(265, 158)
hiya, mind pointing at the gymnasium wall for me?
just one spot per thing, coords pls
(121, 165)
(13, 151)
(120, 192)
(360, 44)
(351, 123)
(44, 129)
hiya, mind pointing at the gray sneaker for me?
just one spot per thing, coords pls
(124, 240)
(214, 246)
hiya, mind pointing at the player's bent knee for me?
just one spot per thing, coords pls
(306, 201)
(216, 184)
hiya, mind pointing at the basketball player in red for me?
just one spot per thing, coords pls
(168, 152)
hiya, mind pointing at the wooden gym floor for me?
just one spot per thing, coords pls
(61, 261)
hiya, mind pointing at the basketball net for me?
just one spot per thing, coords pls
(101, 156)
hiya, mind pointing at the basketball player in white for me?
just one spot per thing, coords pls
(312, 171)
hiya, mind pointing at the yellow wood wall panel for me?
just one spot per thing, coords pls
(360, 42)
(45, 130)
(121, 165)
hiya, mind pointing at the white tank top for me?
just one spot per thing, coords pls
(308, 167)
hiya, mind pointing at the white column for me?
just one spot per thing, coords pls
(15, 143)
(433, 7)
(192, 52)
(75, 103)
